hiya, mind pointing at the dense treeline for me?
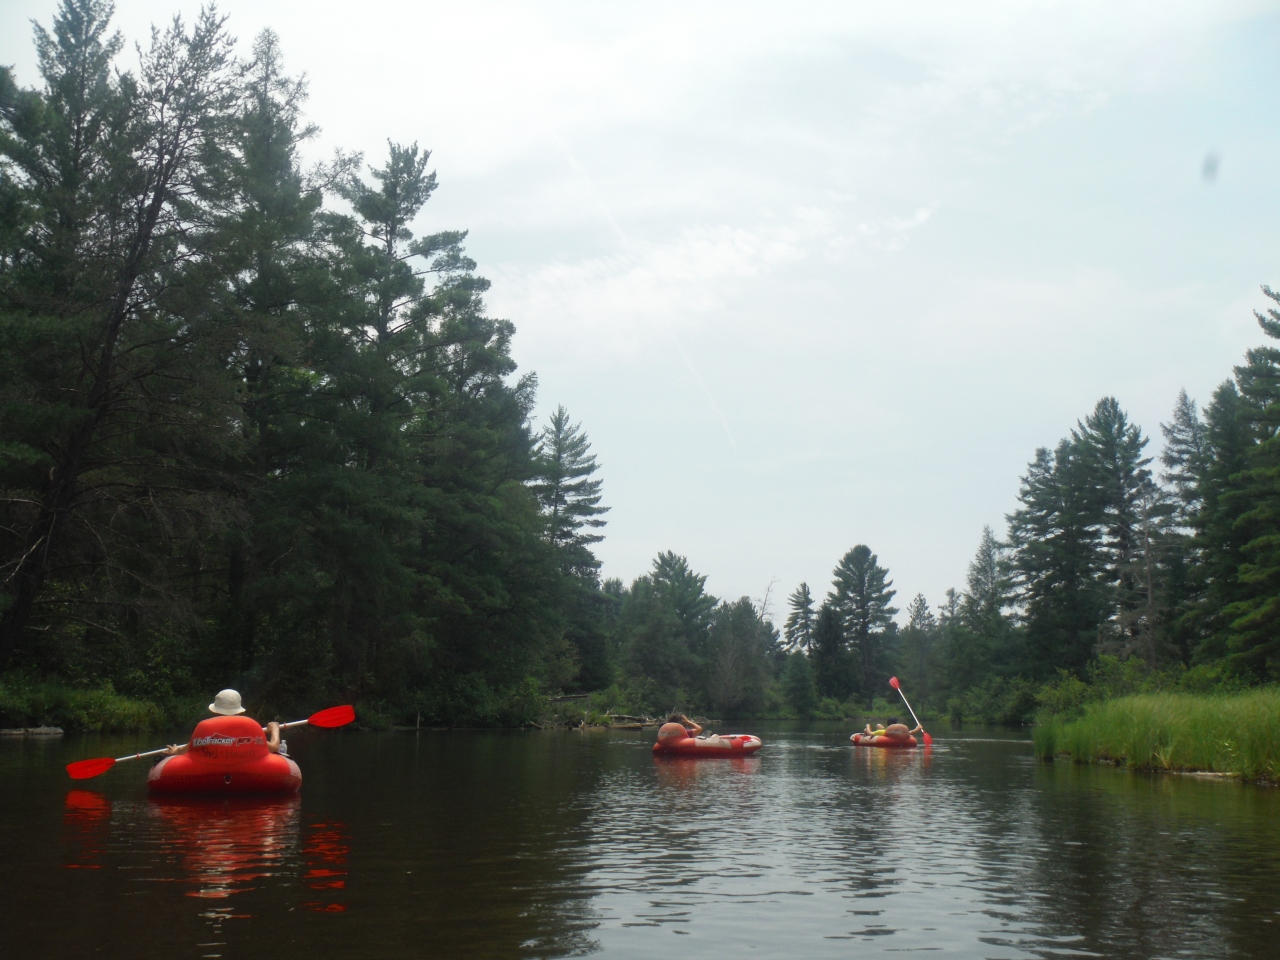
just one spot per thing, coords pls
(253, 430)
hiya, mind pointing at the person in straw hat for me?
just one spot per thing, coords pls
(227, 704)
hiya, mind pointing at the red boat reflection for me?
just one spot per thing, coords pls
(680, 772)
(325, 850)
(222, 845)
(226, 845)
(86, 816)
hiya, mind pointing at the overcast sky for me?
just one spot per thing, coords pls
(813, 275)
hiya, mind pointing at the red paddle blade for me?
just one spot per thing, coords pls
(928, 740)
(333, 717)
(893, 682)
(88, 769)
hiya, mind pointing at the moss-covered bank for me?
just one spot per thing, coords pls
(1236, 733)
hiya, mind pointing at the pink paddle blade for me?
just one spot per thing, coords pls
(928, 740)
(88, 769)
(333, 717)
(893, 682)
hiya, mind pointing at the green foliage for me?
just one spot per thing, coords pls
(999, 700)
(834, 668)
(691, 651)
(799, 688)
(860, 595)
(569, 494)
(738, 665)
(41, 703)
(1232, 733)
(253, 430)
(801, 620)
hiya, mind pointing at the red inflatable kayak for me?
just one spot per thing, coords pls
(226, 755)
(892, 743)
(739, 745)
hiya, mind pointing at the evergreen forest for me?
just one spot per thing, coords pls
(257, 432)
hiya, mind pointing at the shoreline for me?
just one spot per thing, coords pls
(1223, 735)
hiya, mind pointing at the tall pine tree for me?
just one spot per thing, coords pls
(800, 621)
(569, 490)
(860, 595)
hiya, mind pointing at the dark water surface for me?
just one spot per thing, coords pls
(530, 844)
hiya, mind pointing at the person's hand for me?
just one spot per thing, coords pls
(171, 750)
(273, 729)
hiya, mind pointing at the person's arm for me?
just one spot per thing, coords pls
(918, 729)
(175, 750)
(692, 727)
(273, 737)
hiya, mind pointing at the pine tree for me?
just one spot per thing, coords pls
(800, 622)
(1183, 457)
(104, 288)
(685, 591)
(1220, 538)
(1254, 641)
(798, 685)
(1126, 507)
(990, 592)
(860, 595)
(569, 494)
(738, 646)
(1055, 563)
(918, 639)
(834, 669)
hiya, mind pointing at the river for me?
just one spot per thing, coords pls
(503, 844)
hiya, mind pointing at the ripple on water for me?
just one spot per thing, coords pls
(545, 845)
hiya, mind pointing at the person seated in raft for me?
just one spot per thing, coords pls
(227, 704)
(895, 730)
(678, 727)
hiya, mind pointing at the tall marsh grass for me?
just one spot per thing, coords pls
(1234, 733)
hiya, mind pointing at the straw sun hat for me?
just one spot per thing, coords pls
(227, 703)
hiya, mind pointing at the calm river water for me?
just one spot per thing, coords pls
(529, 844)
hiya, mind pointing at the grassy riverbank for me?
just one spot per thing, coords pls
(1237, 733)
(28, 703)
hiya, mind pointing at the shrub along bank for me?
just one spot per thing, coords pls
(27, 703)
(1232, 733)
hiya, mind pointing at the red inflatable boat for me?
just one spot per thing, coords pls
(892, 743)
(739, 745)
(226, 755)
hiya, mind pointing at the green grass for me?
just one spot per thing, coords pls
(1233, 733)
(47, 703)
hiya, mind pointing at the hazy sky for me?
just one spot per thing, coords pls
(814, 275)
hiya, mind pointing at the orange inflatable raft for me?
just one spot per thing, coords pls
(891, 743)
(740, 745)
(226, 755)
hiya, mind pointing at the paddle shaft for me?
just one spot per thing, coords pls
(138, 756)
(909, 710)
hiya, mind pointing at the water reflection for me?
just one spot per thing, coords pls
(325, 852)
(548, 845)
(86, 817)
(684, 773)
(226, 846)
